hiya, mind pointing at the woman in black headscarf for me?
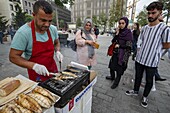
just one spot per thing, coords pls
(121, 53)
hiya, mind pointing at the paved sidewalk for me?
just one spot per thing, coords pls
(105, 99)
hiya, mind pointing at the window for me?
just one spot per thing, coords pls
(11, 7)
(29, 4)
(26, 10)
(88, 4)
(12, 15)
(16, 8)
(89, 12)
(25, 3)
(30, 12)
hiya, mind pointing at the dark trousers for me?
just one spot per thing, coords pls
(117, 78)
(157, 76)
(112, 73)
(150, 72)
(1, 40)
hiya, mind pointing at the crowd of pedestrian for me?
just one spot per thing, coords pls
(147, 45)
(4, 34)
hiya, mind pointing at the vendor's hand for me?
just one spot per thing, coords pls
(59, 56)
(40, 69)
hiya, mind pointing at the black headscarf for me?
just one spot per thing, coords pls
(125, 33)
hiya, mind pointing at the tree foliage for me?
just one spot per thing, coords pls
(61, 24)
(103, 20)
(62, 2)
(78, 22)
(115, 12)
(3, 23)
(95, 21)
(28, 18)
(112, 15)
(20, 17)
(166, 8)
(142, 17)
(54, 20)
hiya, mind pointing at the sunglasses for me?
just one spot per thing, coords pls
(151, 13)
(88, 25)
(121, 23)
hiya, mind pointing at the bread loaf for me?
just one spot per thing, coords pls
(9, 87)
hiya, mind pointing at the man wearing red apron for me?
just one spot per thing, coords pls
(37, 40)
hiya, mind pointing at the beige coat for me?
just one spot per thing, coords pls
(82, 50)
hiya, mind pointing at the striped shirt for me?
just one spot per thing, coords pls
(150, 43)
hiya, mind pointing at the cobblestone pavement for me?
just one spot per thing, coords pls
(105, 99)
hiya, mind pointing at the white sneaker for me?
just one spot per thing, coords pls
(131, 92)
(144, 102)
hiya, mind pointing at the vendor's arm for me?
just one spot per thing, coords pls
(18, 47)
(16, 58)
(57, 44)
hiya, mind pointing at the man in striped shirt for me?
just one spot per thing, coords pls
(153, 38)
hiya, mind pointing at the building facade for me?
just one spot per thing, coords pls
(7, 9)
(64, 14)
(27, 6)
(89, 8)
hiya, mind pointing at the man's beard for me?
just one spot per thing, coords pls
(150, 19)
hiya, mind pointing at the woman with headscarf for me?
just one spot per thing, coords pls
(136, 33)
(121, 53)
(86, 40)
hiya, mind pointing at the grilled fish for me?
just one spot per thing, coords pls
(42, 100)
(44, 92)
(10, 108)
(23, 110)
(69, 73)
(28, 103)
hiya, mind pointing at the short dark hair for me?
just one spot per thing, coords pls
(44, 5)
(155, 5)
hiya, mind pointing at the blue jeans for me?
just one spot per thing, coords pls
(150, 72)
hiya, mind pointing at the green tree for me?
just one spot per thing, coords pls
(115, 12)
(28, 18)
(142, 17)
(95, 21)
(61, 24)
(166, 8)
(62, 2)
(3, 23)
(118, 9)
(78, 22)
(20, 17)
(103, 20)
(54, 21)
(112, 14)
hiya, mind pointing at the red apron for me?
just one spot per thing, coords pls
(42, 53)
